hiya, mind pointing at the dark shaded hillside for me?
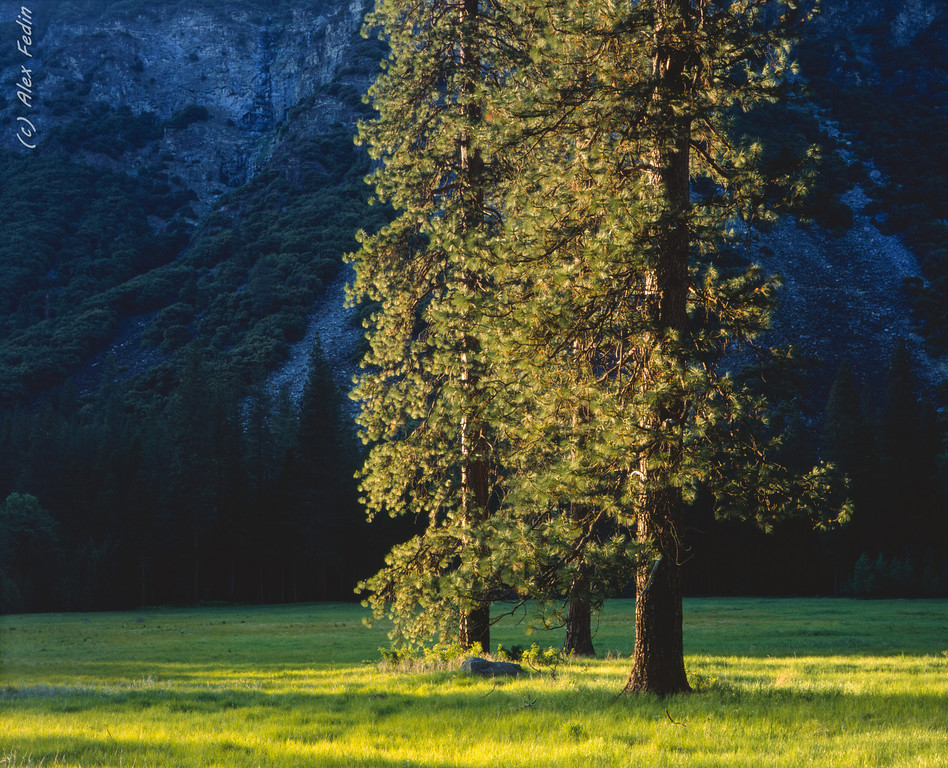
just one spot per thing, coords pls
(76, 247)
(81, 259)
(168, 239)
(195, 101)
(194, 180)
(881, 70)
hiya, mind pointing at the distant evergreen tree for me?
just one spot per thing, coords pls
(846, 440)
(258, 436)
(908, 446)
(849, 443)
(204, 448)
(324, 466)
(29, 549)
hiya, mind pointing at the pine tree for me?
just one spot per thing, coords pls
(425, 383)
(203, 473)
(551, 312)
(909, 445)
(849, 445)
(323, 510)
(613, 299)
(29, 541)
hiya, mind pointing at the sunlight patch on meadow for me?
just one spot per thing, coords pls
(278, 687)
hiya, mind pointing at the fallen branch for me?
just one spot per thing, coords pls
(674, 722)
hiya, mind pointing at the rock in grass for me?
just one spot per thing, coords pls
(485, 668)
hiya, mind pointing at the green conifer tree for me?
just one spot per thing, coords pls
(611, 296)
(425, 380)
(324, 513)
(849, 444)
(550, 308)
(909, 445)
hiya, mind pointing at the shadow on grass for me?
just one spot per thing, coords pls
(116, 752)
(354, 727)
(373, 703)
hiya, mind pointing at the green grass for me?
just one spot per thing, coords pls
(778, 683)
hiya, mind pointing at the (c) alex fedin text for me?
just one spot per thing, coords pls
(25, 89)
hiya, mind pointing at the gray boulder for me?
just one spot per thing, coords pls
(485, 668)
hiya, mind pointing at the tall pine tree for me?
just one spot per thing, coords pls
(909, 444)
(612, 298)
(425, 380)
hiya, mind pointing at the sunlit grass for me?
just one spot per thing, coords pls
(778, 683)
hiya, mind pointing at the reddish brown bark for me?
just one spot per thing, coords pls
(658, 660)
(578, 640)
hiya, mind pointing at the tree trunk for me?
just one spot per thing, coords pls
(475, 483)
(579, 622)
(578, 640)
(658, 662)
(475, 490)
(475, 627)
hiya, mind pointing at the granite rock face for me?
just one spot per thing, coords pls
(260, 76)
(268, 79)
(875, 42)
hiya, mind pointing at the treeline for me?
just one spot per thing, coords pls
(895, 456)
(888, 443)
(208, 495)
(224, 493)
(142, 459)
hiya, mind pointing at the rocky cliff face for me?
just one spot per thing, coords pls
(875, 43)
(845, 296)
(257, 80)
(260, 77)
(901, 21)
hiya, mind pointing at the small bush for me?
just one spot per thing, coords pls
(437, 658)
(514, 653)
(539, 658)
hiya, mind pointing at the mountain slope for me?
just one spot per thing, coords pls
(214, 113)
(195, 179)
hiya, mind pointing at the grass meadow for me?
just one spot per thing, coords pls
(789, 683)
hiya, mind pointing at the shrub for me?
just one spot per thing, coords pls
(538, 657)
(436, 658)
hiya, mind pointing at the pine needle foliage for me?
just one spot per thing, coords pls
(561, 306)
(619, 327)
(425, 383)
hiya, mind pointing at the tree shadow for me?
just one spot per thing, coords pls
(326, 728)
